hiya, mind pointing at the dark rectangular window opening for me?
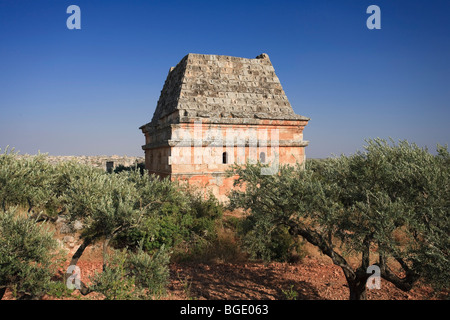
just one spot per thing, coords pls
(109, 166)
(224, 158)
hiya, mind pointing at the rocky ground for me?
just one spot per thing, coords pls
(307, 280)
(311, 278)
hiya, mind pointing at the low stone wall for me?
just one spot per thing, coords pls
(102, 162)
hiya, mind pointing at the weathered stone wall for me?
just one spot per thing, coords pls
(220, 93)
(204, 166)
(97, 161)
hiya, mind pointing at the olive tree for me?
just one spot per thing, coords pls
(106, 204)
(110, 205)
(133, 275)
(387, 205)
(25, 181)
(29, 255)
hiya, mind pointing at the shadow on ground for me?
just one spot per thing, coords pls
(237, 281)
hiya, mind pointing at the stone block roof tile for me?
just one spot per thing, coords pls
(208, 85)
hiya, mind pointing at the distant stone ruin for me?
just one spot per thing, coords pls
(107, 163)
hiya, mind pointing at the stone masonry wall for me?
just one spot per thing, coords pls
(220, 94)
(97, 161)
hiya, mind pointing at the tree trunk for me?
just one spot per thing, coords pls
(76, 256)
(43, 217)
(356, 280)
(357, 291)
(30, 206)
(357, 285)
(105, 250)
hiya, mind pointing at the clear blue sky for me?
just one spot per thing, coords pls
(75, 92)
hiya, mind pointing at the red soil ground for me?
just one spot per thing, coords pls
(312, 278)
(309, 279)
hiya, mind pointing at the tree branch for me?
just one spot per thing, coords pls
(365, 254)
(43, 217)
(405, 283)
(316, 239)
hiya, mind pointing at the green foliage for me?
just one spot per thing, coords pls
(205, 212)
(115, 282)
(399, 189)
(106, 204)
(127, 204)
(133, 275)
(265, 231)
(28, 255)
(67, 173)
(223, 248)
(179, 216)
(270, 245)
(150, 272)
(25, 181)
(138, 166)
(364, 202)
(58, 289)
(129, 208)
(290, 294)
